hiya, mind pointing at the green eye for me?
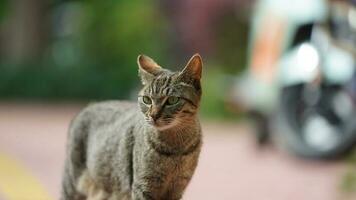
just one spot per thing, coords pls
(172, 100)
(147, 100)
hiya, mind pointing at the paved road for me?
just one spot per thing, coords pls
(230, 167)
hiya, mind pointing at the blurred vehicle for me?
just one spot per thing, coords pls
(300, 84)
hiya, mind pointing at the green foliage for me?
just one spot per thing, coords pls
(97, 60)
(57, 84)
(117, 31)
(229, 60)
(215, 89)
(232, 35)
(3, 6)
(348, 184)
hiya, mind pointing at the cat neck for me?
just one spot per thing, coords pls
(178, 138)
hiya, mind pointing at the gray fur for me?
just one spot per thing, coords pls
(119, 150)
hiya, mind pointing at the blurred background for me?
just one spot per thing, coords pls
(86, 50)
(279, 100)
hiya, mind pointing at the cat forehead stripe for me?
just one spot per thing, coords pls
(166, 84)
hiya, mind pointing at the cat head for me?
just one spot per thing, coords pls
(169, 99)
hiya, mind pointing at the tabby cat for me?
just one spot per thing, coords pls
(119, 150)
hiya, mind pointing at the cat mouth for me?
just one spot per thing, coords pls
(152, 122)
(167, 125)
(159, 124)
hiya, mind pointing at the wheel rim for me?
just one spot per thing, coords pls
(319, 134)
(317, 124)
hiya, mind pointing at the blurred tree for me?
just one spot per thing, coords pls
(92, 48)
(111, 36)
(25, 30)
(118, 31)
(3, 4)
(231, 42)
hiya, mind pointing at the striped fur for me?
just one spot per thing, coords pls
(148, 150)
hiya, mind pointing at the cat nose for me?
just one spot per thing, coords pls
(155, 113)
(154, 116)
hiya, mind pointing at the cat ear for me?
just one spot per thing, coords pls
(193, 69)
(147, 69)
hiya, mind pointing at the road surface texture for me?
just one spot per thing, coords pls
(230, 167)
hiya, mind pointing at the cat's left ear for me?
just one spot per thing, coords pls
(147, 69)
(193, 69)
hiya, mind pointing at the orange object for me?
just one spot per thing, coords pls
(267, 48)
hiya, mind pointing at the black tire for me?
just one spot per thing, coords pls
(289, 126)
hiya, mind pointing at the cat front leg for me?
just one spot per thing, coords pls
(142, 192)
(177, 188)
(157, 191)
(186, 167)
(149, 186)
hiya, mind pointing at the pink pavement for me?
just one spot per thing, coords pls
(230, 166)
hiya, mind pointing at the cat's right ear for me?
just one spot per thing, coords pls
(147, 69)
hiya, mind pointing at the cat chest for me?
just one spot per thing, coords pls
(163, 167)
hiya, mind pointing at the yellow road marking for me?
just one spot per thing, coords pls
(17, 183)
